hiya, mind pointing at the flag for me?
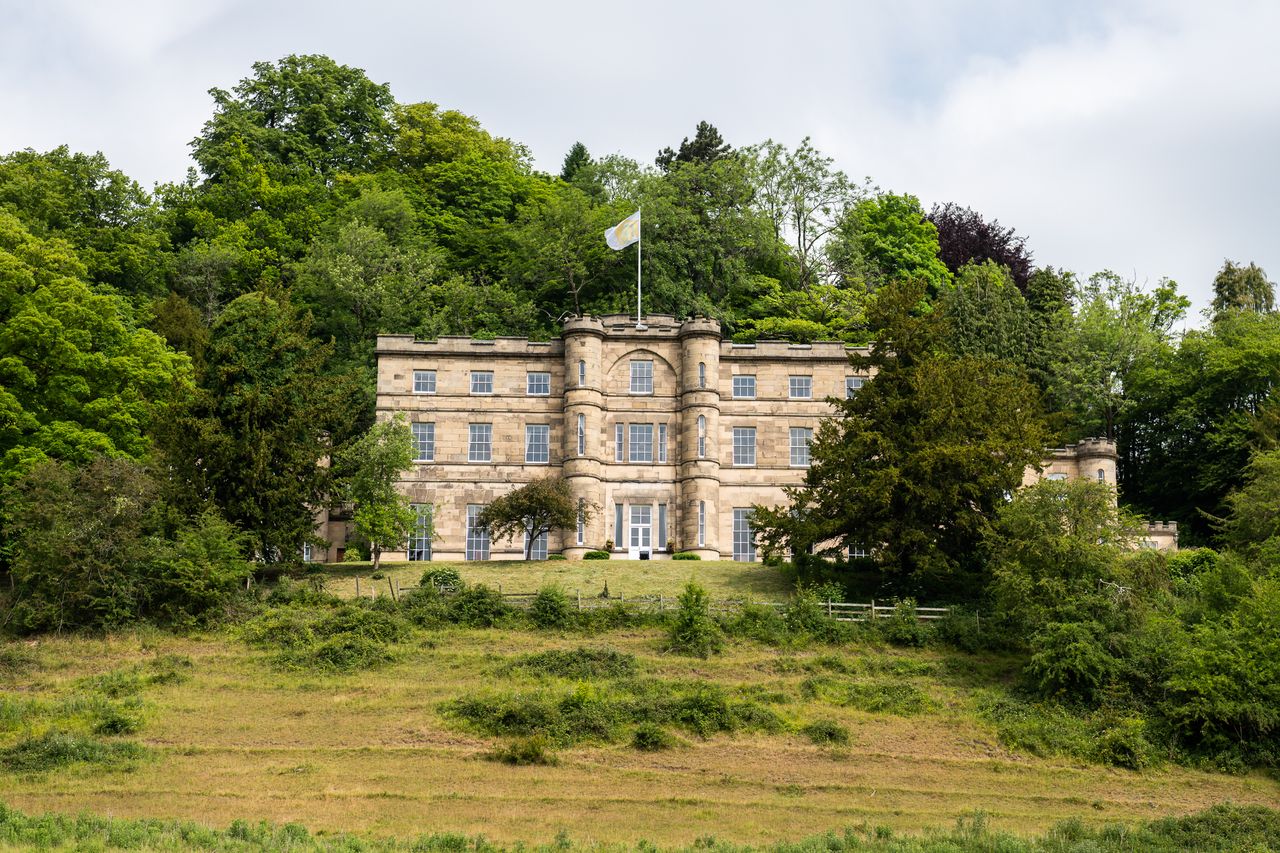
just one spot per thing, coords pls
(624, 233)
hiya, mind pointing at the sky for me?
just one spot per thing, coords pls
(1141, 137)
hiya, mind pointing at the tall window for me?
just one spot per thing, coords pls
(538, 384)
(851, 386)
(702, 436)
(702, 523)
(662, 442)
(537, 443)
(641, 376)
(744, 445)
(618, 532)
(801, 388)
(642, 442)
(424, 382)
(308, 552)
(420, 536)
(1102, 475)
(619, 447)
(641, 526)
(539, 550)
(582, 520)
(744, 387)
(424, 442)
(662, 527)
(582, 435)
(582, 373)
(480, 443)
(801, 438)
(702, 374)
(744, 538)
(477, 536)
(482, 382)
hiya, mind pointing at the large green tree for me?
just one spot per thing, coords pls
(888, 238)
(533, 509)
(369, 468)
(1241, 288)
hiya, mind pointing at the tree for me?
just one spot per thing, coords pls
(987, 316)
(369, 468)
(915, 465)
(707, 147)
(887, 238)
(535, 508)
(1239, 288)
(964, 237)
(574, 161)
(1254, 520)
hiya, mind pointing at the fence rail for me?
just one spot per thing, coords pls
(840, 611)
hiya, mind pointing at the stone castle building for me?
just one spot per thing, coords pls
(666, 433)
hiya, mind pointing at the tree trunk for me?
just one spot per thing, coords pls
(375, 551)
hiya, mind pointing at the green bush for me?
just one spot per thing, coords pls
(1125, 744)
(1068, 660)
(826, 732)
(279, 627)
(596, 555)
(685, 555)
(441, 577)
(551, 557)
(889, 697)
(338, 653)
(693, 631)
(903, 627)
(356, 621)
(757, 622)
(477, 606)
(578, 664)
(1041, 729)
(120, 718)
(650, 737)
(551, 608)
(55, 750)
(525, 751)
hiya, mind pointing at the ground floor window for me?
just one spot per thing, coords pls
(420, 537)
(744, 538)
(539, 551)
(642, 527)
(307, 553)
(477, 536)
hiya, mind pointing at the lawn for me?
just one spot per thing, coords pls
(371, 752)
(723, 578)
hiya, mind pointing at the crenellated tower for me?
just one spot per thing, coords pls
(698, 478)
(584, 428)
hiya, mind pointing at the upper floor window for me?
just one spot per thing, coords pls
(480, 443)
(801, 387)
(662, 442)
(702, 374)
(1102, 475)
(482, 382)
(424, 382)
(744, 445)
(424, 442)
(642, 442)
(618, 444)
(582, 435)
(537, 443)
(582, 373)
(1057, 478)
(744, 387)
(641, 376)
(702, 436)
(851, 386)
(539, 384)
(582, 520)
(801, 438)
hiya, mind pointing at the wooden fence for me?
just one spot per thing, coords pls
(840, 611)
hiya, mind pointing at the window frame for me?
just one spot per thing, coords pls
(582, 434)
(803, 380)
(806, 434)
(662, 444)
(745, 378)
(640, 449)
(619, 440)
(477, 375)
(530, 431)
(850, 388)
(743, 534)
(424, 374)
(529, 383)
(644, 376)
(477, 537)
(737, 445)
(485, 430)
(424, 447)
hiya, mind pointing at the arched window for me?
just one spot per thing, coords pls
(702, 436)
(582, 435)
(1102, 475)
(582, 373)
(702, 374)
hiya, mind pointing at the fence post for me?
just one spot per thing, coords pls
(357, 586)
(873, 610)
(392, 586)
(828, 608)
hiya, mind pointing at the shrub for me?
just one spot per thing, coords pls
(441, 577)
(477, 606)
(889, 697)
(525, 751)
(1068, 660)
(359, 622)
(338, 653)
(16, 659)
(693, 631)
(826, 732)
(55, 749)
(551, 608)
(1125, 744)
(1040, 729)
(279, 627)
(650, 737)
(551, 557)
(757, 622)
(903, 627)
(118, 718)
(596, 555)
(686, 555)
(578, 664)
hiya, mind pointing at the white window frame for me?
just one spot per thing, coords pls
(619, 526)
(582, 520)
(582, 373)
(539, 551)
(537, 444)
(424, 382)
(537, 383)
(702, 436)
(852, 385)
(702, 523)
(582, 434)
(744, 538)
(418, 548)
(619, 441)
(641, 449)
(744, 451)
(640, 530)
(641, 376)
(800, 449)
(742, 384)
(424, 441)
(477, 537)
(479, 442)
(800, 387)
(661, 544)
(702, 374)
(482, 382)
(662, 443)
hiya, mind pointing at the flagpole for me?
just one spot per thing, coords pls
(639, 249)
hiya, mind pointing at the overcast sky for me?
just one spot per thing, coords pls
(1142, 137)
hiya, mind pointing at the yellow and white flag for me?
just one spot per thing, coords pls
(624, 233)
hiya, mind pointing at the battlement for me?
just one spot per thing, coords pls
(461, 345)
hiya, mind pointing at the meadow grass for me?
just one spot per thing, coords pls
(376, 753)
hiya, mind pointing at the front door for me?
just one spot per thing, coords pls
(641, 535)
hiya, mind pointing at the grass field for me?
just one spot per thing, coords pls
(723, 579)
(371, 753)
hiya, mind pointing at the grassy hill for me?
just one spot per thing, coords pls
(232, 733)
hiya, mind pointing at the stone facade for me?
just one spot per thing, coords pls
(641, 421)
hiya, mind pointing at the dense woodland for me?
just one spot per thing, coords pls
(173, 364)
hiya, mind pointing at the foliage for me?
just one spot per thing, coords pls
(1241, 288)
(441, 577)
(886, 239)
(693, 631)
(826, 732)
(903, 627)
(685, 555)
(578, 664)
(533, 509)
(1253, 526)
(1069, 661)
(369, 468)
(899, 698)
(55, 750)
(987, 316)
(965, 237)
(596, 555)
(707, 147)
(550, 608)
(478, 606)
(525, 751)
